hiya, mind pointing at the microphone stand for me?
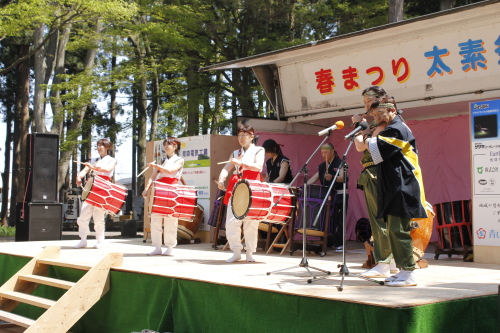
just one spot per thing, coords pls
(344, 270)
(303, 262)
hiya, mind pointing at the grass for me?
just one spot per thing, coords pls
(7, 231)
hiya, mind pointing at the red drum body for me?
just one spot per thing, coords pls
(254, 200)
(187, 229)
(101, 193)
(174, 200)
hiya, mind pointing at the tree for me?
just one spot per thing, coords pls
(396, 10)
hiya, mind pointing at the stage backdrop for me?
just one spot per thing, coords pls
(443, 149)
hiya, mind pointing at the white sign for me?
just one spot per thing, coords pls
(485, 120)
(457, 58)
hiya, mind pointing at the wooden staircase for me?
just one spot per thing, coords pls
(62, 314)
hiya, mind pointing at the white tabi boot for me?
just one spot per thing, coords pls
(168, 251)
(156, 251)
(236, 256)
(82, 244)
(249, 257)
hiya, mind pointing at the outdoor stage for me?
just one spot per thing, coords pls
(196, 291)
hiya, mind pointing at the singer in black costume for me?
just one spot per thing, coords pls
(368, 179)
(401, 196)
(325, 174)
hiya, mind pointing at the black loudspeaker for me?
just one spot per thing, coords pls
(41, 222)
(41, 167)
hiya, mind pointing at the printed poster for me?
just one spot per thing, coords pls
(484, 122)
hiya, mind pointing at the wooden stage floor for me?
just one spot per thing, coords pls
(444, 280)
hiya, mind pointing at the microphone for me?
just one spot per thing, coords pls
(338, 125)
(361, 127)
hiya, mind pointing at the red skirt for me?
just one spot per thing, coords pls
(168, 180)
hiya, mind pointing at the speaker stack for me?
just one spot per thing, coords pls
(39, 218)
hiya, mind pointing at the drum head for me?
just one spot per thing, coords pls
(88, 187)
(240, 199)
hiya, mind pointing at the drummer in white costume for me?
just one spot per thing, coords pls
(102, 166)
(249, 160)
(170, 172)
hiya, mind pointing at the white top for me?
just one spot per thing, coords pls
(103, 162)
(248, 156)
(168, 163)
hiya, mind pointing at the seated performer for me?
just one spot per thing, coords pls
(368, 183)
(102, 166)
(325, 174)
(169, 172)
(248, 160)
(401, 196)
(278, 166)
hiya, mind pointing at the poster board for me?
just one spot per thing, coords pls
(485, 163)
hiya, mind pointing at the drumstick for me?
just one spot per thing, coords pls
(78, 162)
(224, 162)
(143, 171)
(216, 182)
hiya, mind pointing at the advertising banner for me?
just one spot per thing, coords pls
(486, 177)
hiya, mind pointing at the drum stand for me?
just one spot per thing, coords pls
(344, 270)
(303, 262)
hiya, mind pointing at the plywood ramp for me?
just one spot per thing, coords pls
(62, 314)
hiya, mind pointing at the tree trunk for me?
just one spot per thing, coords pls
(155, 91)
(241, 85)
(134, 147)
(6, 173)
(193, 101)
(234, 114)
(217, 104)
(446, 4)
(39, 94)
(50, 56)
(55, 94)
(74, 169)
(21, 122)
(396, 8)
(155, 106)
(207, 110)
(113, 127)
(74, 130)
(140, 98)
(141, 91)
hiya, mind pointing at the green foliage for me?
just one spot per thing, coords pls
(22, 15)
(7, 231)
(162, 44)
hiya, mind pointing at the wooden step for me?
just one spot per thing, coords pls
(28, 299)
(47, 281)
(53, 262)
(16, 319)
(278, 245)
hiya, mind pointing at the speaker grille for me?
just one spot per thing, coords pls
(42, 161)
(42, 221)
